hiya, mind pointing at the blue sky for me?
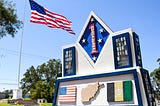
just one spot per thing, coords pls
(41, 43)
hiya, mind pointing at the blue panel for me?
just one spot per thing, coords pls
(137, 88)
(122, 51)
(101, 37)
(137, 50)
(147, 87)
(69, 61)
(55, 93)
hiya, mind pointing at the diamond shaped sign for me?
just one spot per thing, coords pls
(94, 37)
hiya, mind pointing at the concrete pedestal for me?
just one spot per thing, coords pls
(17, 94)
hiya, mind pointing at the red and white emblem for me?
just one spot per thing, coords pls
(93, 34)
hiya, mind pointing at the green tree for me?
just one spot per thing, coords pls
(42, 90)
(30, 79)
(41, 81)
(8, 93)
(9, 22)
(155, 79)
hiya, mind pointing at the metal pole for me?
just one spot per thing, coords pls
(20, 53)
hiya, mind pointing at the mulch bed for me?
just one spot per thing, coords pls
(23, 102)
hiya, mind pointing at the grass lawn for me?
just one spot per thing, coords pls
(45, 104)
(42, 104)
(4, 104)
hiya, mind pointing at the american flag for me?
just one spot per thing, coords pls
(41, 15)
(67, 94)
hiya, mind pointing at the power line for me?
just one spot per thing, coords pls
(13, 80)
(8, 84)
(13, 52)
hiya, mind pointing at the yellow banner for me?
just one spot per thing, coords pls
(118, 89)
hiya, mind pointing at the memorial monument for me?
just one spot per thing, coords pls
(103, 68)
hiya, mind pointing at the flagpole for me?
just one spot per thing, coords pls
(21, 44)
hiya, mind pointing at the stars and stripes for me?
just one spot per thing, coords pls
(67, 94)
(41, 15)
